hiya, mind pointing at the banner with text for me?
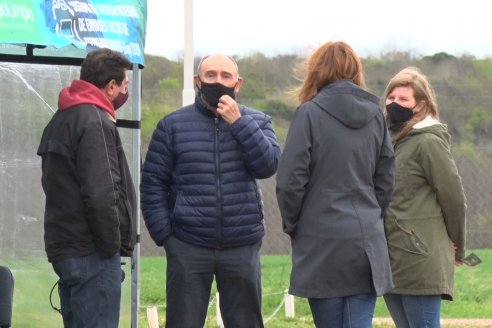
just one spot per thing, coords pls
(119, 25)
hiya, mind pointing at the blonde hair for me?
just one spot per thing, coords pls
(422, 91)
(331, 62)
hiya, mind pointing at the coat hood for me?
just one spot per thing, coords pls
(348, 103)
(82, 92)
(438, 129)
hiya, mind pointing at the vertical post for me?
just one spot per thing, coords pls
(188, 58)
(135, 171)
(152, 317)
(220, 323)
(289, 305)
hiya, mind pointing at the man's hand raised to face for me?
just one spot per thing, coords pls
(228, 109)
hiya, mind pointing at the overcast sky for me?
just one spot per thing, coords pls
(240, 27)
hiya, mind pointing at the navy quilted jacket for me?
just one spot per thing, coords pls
(199, 177)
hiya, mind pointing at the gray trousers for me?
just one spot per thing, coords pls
(190, 273)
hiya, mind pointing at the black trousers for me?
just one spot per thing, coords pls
(190, 273)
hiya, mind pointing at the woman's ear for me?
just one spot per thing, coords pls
(420, 106)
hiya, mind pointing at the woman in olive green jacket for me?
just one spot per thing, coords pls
(425, 222)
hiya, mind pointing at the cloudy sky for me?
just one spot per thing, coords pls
(240, 27)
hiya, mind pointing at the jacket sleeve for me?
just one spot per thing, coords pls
(293, 173)
(99, 178)
(442, 174)
(261, 152)
(384, 176)
(155, 185)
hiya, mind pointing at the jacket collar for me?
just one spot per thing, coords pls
(427, 121)
(202, 108)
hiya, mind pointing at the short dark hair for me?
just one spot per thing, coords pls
(103, 65)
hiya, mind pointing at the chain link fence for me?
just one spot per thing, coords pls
(476, 174)
(477, 181)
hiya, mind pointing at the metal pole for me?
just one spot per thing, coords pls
(188, 59)
(135, 170)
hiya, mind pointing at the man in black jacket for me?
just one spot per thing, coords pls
(90, 199)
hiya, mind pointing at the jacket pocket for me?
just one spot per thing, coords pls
(408, 240)
(259, 200)
(127, 228)
(177, 204)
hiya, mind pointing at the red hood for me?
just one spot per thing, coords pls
(82, 92)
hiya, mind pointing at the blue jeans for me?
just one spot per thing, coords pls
(414, 311)
(190, 272)
(354, 311)
(90, 291)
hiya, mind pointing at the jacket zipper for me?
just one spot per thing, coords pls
(218, 183)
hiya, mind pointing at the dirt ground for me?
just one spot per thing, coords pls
(448, 323)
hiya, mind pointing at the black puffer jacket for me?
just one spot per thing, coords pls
(199, 177)
(90, 199)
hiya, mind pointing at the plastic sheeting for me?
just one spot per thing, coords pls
(28, 98)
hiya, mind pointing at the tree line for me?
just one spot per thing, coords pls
(463, 86)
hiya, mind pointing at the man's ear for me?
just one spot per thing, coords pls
(197, 80)
(111, 89)
(239, 83)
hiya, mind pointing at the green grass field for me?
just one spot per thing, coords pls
(34, 279)
(473, 292)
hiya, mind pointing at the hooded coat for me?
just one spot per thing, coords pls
(90, 199)
(426, 216)
(334, 183)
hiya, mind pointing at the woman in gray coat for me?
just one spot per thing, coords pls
(334, 182)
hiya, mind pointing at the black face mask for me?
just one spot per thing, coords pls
(398, 115)
(211, 92)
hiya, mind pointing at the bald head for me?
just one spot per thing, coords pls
(219, 68)
(222, 61)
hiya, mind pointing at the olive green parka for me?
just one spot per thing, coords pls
(426, 217)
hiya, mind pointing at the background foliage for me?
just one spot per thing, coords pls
(463, 87)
